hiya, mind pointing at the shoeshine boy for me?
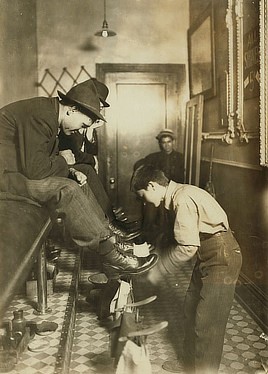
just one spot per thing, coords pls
(200, 229)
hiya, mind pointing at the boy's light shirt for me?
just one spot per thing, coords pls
(196, 211)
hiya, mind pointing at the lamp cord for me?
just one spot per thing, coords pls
(104, 3)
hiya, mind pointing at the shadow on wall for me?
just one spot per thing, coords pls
(88, 45)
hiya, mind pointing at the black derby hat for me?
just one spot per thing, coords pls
(102, 90)
(84, 95)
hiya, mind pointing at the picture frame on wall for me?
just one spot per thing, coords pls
(201, 50)
(251, 63)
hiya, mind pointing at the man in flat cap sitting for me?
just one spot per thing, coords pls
(31, 168)
(171, 162)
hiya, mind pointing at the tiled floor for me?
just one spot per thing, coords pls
(42, 360)
(244, 350)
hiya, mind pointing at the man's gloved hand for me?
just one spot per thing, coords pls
(78, 176)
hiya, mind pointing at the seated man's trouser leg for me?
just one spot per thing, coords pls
(97, 188)
(84, 219)
(208, 302)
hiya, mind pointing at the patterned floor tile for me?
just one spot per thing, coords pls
(243, 352)
(243, 347)
(43, 362)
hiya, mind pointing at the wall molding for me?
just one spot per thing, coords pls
(232, 163)
(253, 300)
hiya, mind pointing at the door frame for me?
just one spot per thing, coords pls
(104, 68)
(193, 139)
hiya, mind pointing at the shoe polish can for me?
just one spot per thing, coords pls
(18, 322)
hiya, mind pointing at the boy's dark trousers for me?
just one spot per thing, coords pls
(209, 300)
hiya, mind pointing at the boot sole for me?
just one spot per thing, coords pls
(129, 237)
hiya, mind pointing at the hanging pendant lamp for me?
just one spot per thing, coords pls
(105, 32)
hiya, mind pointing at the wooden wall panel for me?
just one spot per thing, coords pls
(18, 59)
(241, 184)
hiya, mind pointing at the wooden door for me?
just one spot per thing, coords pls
(143, 102)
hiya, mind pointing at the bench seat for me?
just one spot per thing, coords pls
(23, 230)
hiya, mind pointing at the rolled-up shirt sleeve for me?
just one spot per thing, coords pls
(186, 227)
(175, 255)
(185, 252)
(186, 235)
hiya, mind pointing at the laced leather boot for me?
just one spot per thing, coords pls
(122, 219)
(124, 263)
(125, 235)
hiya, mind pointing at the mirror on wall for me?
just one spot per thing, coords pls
(202, 55)
(238, 84)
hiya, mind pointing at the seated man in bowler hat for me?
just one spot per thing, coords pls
(84, 146)
(31, 168)
(84, 143)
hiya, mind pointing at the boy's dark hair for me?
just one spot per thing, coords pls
(145, 174)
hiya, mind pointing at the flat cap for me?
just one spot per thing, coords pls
(165, 132)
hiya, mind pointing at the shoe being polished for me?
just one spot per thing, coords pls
(124, 263)
(173, 366)
(131, 225)
(122, 219)
(125, 235)
(126, 247)
(119, 214)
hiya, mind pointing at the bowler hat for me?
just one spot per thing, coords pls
(85, 96)
(165, 132)
(102, 90)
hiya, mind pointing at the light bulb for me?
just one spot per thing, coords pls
(104, 33)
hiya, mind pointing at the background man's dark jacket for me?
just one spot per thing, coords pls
(171, 164)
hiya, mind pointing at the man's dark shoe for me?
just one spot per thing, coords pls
(173, 366)
(122, 219)
(130, 225)
(123, 234)
(127, 264)
(126, 247)
(119, 214)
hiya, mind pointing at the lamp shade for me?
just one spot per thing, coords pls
(105, 32)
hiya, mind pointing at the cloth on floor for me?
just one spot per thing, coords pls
(121, 297)
(127, 324)
(134, 360)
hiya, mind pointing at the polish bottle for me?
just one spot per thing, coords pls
(18, 322)
(10, 335)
